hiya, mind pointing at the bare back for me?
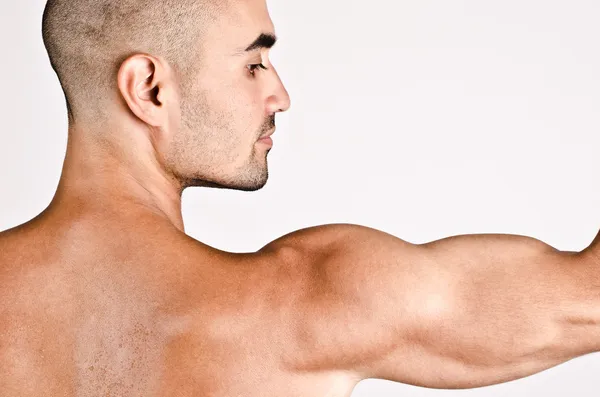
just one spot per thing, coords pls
(117, 313)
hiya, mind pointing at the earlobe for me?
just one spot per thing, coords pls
(139, 82)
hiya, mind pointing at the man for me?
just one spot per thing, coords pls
(103, 293)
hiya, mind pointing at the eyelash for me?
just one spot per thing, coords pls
(254, 67)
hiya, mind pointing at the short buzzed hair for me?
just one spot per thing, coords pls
(87, 40)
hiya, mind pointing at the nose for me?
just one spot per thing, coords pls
(279, 101)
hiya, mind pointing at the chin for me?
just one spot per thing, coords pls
(256, 183)
(249, 180)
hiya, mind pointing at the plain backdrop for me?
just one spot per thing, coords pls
(424, 119)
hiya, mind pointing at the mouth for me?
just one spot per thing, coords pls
(266, 138)
(268, 134)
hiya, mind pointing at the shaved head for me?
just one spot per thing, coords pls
(180, 91)
(87, 40)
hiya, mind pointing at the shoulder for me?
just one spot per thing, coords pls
(343, 252)
(343, 304)
(322, 239)
(313, 254)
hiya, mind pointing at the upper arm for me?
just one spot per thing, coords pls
(443, 314)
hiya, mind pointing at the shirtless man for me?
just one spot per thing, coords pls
(103, 293)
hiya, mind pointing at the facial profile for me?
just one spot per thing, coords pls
(192, 77)
(231, 103)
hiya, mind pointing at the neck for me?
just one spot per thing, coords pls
(117, 173)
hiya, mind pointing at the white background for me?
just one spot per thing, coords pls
(424, 119)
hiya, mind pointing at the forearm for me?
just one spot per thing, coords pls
(515, 306)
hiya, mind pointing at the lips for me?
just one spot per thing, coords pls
(268, 134)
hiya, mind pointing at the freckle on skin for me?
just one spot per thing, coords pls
(91, 367)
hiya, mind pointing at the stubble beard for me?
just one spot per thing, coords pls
(250, 176)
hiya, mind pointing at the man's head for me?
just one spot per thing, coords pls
(176, 77)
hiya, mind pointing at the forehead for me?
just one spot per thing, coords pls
(238, 24)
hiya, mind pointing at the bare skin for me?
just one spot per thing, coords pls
(103, 293)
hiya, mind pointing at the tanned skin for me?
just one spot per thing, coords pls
(103, 293)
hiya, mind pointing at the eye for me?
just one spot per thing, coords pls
(254, 67)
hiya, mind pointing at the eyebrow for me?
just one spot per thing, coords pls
(265, 40)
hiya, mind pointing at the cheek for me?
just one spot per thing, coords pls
(226, 112)
(245, 109)
(211, 126)
(246, 91)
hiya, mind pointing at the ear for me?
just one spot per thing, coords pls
(144, 84)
